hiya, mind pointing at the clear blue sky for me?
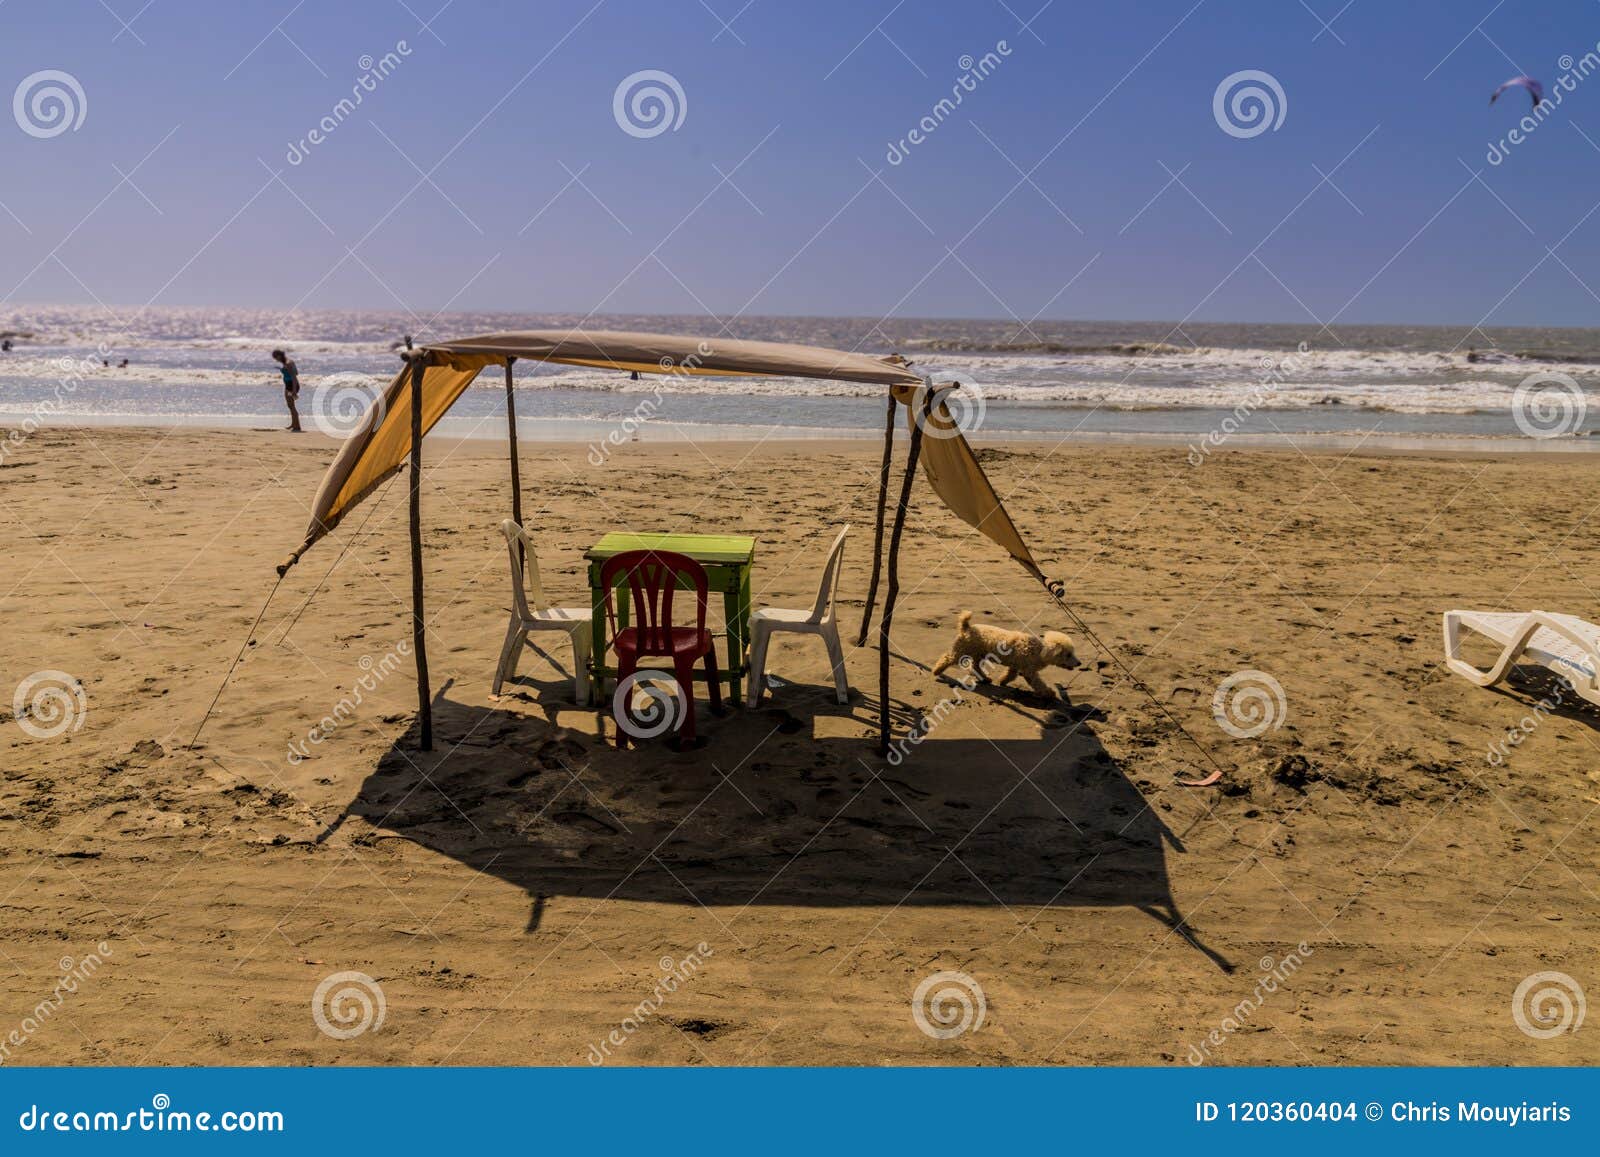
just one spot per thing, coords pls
(545, 203)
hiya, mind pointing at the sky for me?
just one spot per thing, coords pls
(1085, 174)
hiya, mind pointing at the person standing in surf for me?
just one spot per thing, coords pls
(291, 386)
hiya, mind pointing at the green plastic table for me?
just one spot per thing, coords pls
(728, 560)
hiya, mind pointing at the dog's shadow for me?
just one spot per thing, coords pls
(1051, 708)
(783, 806)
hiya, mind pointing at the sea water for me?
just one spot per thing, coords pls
(1052, 380)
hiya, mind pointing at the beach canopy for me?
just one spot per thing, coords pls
(952, 470)
(437, 374)
(382, 441)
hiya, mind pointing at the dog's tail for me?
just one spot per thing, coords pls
(964, 621)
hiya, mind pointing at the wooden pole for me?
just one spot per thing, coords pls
(894, 578)
(516, 472)
(419, 642)
(883, 499)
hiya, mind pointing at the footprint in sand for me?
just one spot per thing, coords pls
(585, 821)
(560, 754)
(786, 724)
(700, 1027)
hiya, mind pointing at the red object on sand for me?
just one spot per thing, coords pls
(652, 578)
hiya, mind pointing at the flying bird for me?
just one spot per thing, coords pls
(1535, 89)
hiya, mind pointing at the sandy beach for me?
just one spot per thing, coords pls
(521, 892)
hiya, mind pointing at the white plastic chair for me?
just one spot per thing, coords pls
(1567, 645)
(819, 620)
(574, 621)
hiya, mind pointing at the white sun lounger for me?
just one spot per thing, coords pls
(1567, 645)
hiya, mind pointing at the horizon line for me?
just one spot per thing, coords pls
(1175, 326)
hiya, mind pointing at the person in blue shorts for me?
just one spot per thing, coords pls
(291, 386)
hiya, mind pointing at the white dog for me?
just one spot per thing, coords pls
(1018, 652)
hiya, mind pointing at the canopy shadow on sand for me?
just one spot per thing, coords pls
(765, 813)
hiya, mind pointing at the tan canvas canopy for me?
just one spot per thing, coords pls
(384, 437)
(436, 375)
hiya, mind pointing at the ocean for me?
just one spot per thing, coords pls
(1265, 383)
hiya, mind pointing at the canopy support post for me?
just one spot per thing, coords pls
(883, 499)
(516, 471)
(893, 591)
(419, 642)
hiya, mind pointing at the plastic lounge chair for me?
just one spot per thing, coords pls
(652, 577)
(1566, 645)
(819, 620)
(575, 622)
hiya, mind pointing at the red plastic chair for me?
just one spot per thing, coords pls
(652, 578)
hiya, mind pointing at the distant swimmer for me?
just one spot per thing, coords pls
(123, 365)
(291, 386)
(5, 346)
